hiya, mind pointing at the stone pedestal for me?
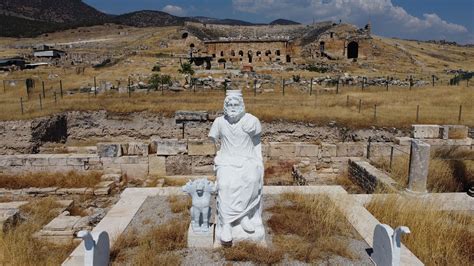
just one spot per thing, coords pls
(201, 239)
(419, 163)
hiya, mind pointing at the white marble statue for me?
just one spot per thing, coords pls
(239, 170)
(387, 245)
(200, 191)
(97, 248)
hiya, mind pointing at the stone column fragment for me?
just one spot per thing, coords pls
(419, 163)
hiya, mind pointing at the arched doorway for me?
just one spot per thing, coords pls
(221, 62)
(352, 50)
(250, 54)
(241, 53)
(288, 58)
(222, 53)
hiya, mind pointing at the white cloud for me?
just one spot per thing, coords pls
(174, 10)
(386, 18)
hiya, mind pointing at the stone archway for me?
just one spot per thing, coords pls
(222, 62)
(241, 53)
(353, 50)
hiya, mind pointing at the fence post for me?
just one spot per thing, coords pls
(311, 87)
(55, 100)
(21, 104)
(417, 113)
(391, 156)
(411, 81)
(61, 88)
(375, 112)
(41, 103)
(460, 113)
(368, 148)
(347, 101)
(42, 84)
(386, 85)
(255, 87)
(184, 124)
(95, 87)
(432, 80)
(337, 87)
(283, 86)
(360, 103)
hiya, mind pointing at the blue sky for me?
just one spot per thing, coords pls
(420, 19)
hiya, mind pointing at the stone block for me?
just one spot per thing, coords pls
(103, 191)
(62, 223)
(282, 149)
(74, 191)
(181, 116)
(307, 150)
(170, 146)
(328, 150)
(201, 147)
(449, 142)
(135, 171)
(351, 149)
(39, 159)
(138, 148)
(455, 132)
(111, 177)
(58, 159)
(419, 164)
(403, 141)
(157, 165)
(39, 191)
(425, 131)
(8, 218)
(200, 239)
(379, 149)
(204, 169)
(109, 149)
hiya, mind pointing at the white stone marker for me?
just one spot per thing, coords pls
(239, 170)
(419, 163)
(387, 245)
(97, 248)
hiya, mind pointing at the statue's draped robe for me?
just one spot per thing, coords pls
(239, 168)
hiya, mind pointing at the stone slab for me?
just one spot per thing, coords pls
(328, 150)
(425, 131)
(201, 147)
(157, 165)
(282, 149)
(200, 240)
(62, 223)
(181, 116)
(138, 148)
(403, 141)
(351, 149)
(170, 146)
(109, 149)
(307, 150)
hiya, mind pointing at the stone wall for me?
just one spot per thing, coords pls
(370, 178)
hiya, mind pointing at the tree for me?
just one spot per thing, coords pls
(186, 68)
(157, 80)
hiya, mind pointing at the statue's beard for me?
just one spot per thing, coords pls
(233, 116)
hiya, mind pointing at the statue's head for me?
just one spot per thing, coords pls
(234, 107)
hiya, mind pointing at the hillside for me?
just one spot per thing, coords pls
(148, 18)
(283, 22)
(53, 11)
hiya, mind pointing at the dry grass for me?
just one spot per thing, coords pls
(344, 181)
(179, 204)
(153, 247)
(248, 251)
(175, 182)
(18, 247)
(309, 229)
(437, 238)
(449, 170)
(397, 107)
(278, 173)
(63, 180)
